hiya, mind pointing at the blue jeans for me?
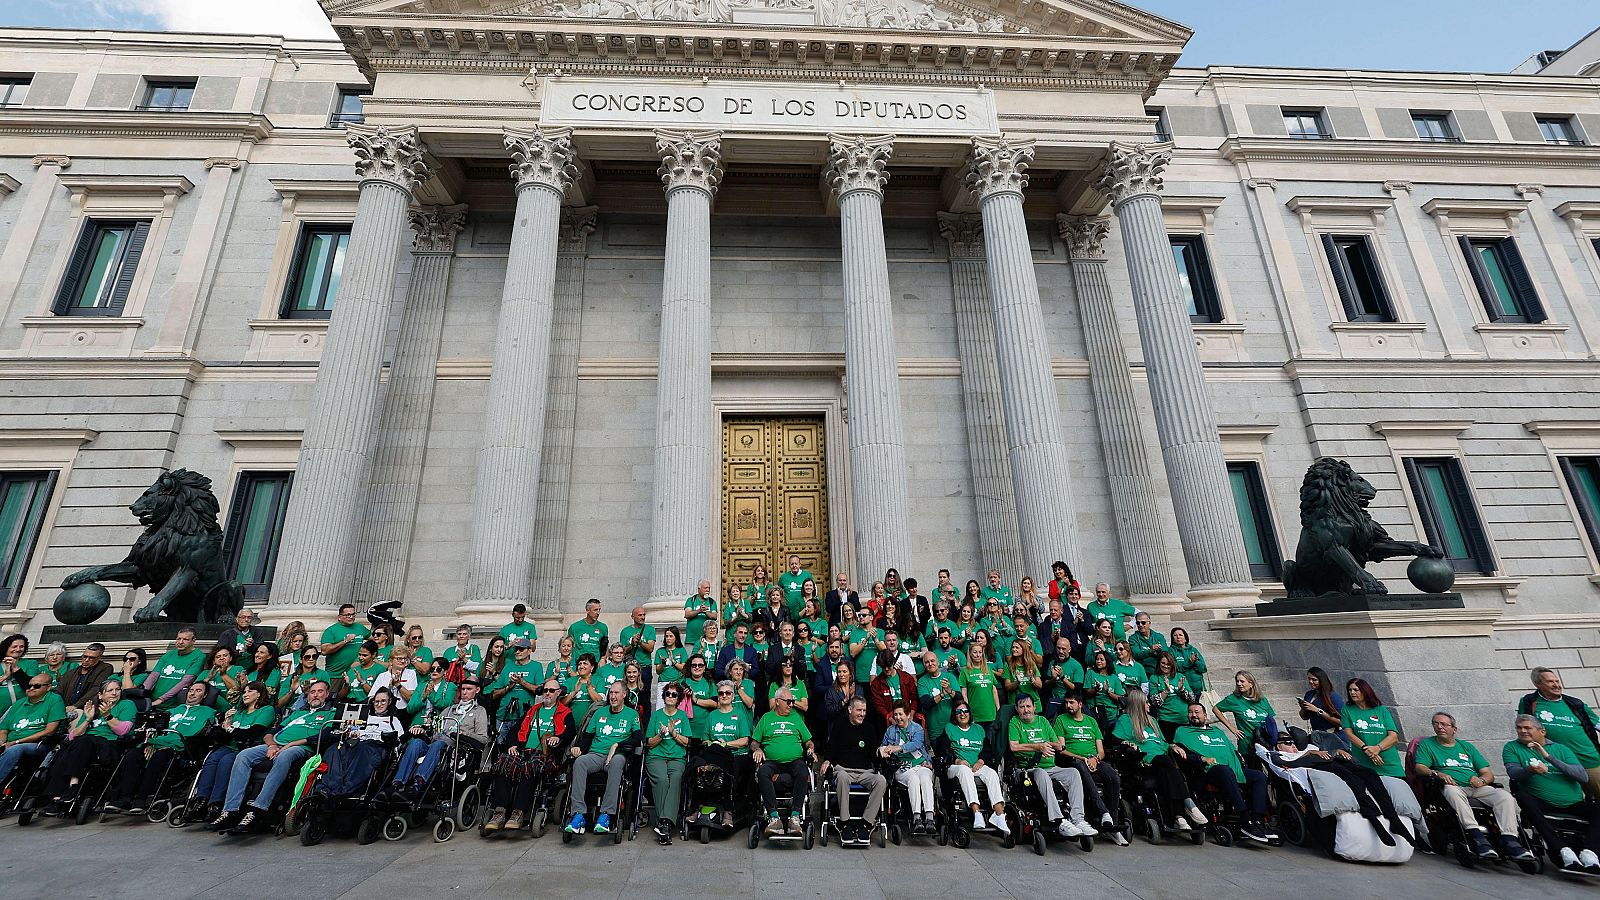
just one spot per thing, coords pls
(420, 759)
(213, 781)
(17, 753)
(284, 765)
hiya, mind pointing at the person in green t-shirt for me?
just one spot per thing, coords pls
(25, 725)
(782, 747)
(790, 583)
(611, 671)
(465, 652)
(1462, 774)
(603, 744)
(1034, 746)
(1550, 778)
(671, 657)
(937, 690)
(288, 748)
(514, 689)
(1191, 665)
(520, 627)
(740, 604)
(996, 592)
(964, 745)
(1105, 606)
(582, 691)
(1212, 750)
(1141, 735)
(589, 634)
(1062, 675)
(698, 609)
(341, 640)
(639, 640)
(292, 691)
(1103, 688)
(1567, 720)
(702, 692)
(1083, 748)
(980, 687)
(1252, 711)
(143, 767)
(91, 741)
(174, 671)
(864, 641)
(1146, 643)
(359, 678)
(1370, 729)
(666, 750)
(1170, 694)
(219, 671)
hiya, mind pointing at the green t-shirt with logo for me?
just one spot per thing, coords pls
(1071, 670)
(702, 689)
(304, 725)
(607, 675)
(471, 658)
(27, 718)
(1036, 732)
(1370, 725)
(1553, 787)
(675, 658)
(1459, 763)
(532, 674)
(790, 583)
(647, 635)
(611, 728)
(1563, 727)
(966, 743)
(1001, 593)
(581, 700)
(242, 720)
(1103, 684)
(864, 661)
(361, 678)
(667, 748)
(1114, 609)
(695, 626)
(185, 722)
(1192, 666)
(339, 660)
(1174, 708)
(982, 693)
(782, 738)
(939, 713)
(172, 668)
(1248, 715)
(1211, 742)
(1080, 734)
(1150, 744)
(100, 726)
(740, 610)
(586, 638)
(1146, 649)
(727, 726)
(512, 632)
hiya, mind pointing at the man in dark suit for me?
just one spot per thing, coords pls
(85, 680)
(1060, 623)
(839, 596)
(243, 637)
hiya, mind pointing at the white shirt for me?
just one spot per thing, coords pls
(408, 680)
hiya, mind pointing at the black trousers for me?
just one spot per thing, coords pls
(1106, 798)
(1371, 795)
(1170, 784)
(767, 777)
(1534, 811)
(73, 761)
(137, 777)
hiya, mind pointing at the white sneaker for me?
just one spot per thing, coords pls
(978, 824)
(1568, 858)
(1084, 828)
(1587, 859)
(1067, 829)
(1106, 822)
(998, 822)
(1181, 824)
(1118, 838)
(1194, 814)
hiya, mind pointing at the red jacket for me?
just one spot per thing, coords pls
(883, 702)
(562, 721)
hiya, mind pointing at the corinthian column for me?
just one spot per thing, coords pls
(407, 408)
(997, 173)
(686, 437)
(316, 563)
(1122, 431)
(1208, 523)
(858, 169)
(992, 492)
(500, 561)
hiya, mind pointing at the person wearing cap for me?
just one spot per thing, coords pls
(465, 720)
(1212, 751)
(520, 627)
(1463, 775)
(963, 744)
(513, 689)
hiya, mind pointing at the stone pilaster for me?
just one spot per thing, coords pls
(687, 440)
(316, 562)
(857, 170)
(555, 466)
(1123, 437)
(505, 502)
(1046, 517)
(1186, 425)
(407, 408)
(992, 491)
(26, 226)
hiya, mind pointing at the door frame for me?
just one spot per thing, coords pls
(841, 551)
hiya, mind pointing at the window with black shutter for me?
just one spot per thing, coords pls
(1195, 277)
(1357, 278)
(1449, 517)
(1503, 282)
(101, 271)
(24, 497)
(1583, 480)
(255, 527)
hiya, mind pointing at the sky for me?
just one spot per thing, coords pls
(1420, 35)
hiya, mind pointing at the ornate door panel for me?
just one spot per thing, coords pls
(774, 497)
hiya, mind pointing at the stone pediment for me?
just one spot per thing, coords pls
(1093, 18)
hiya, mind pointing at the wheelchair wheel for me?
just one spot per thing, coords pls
(468, 808)
(1086, 843)
(1292, 824)
(1007, 842)
(176, 817)
(896, 834)
(84, 810)
(367, 831)
(158, 811)
(755, 835)
(880, 837)
(1464, 856)
(395, 828)
(616, 834)
(443, 830)
(541, 821)
(1222, 836)
(961, 838)
(943, 836)
(1533, 866)
(1152, 830)
(25, 818)
(566, 836)
(808, 837)
(313, 829)
(1038, 842)
(1197, 836)
(705, 834)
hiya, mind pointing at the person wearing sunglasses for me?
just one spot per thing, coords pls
(29, 721)
(305, 672)
(666, 751)
(701, 692)
(532, 752)
(513, 687)
(725, 747)
(963, 744)
(782, 747)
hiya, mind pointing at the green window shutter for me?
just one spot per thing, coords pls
(1583, 478)
(24, 497)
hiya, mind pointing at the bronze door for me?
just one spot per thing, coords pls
(774, 497)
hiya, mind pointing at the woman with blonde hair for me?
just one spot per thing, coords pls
(1251, 711)
(1136, 729)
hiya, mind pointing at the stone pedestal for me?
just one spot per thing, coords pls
(149, 635)
(1337, 603)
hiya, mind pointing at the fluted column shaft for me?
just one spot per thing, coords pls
(992, 491)
(1123, 437)
(1202, 500)
(316, 560)
(407, 409)
(1046, 516)
(500, 560)
(687, 441)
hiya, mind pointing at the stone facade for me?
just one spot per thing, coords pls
(199, 369)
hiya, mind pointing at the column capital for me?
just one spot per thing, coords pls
(1085, 235)
(577, 223)
(1271, 184)
(60, 162)
(1397, 186)
(1523, 190)
(542, 157)
(223, 162)
(385, 153)
(858, 163)
(998, 166)
(964, 231)
(690, 159)
(1133, 169)
(436, 227)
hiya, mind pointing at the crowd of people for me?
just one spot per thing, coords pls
(777, 679)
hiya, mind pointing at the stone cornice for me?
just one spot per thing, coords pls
(1412, 153)
(8, 186)
(126, 184)
(34, 121)
(1431, 624)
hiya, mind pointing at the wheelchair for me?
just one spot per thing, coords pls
(835, 820)
(453, 799)
(86, 801)
(20, 793)
(175, 786)
(794, 800)
(626, 819)
(1448, 839)
(320, 812)
(897, 809)
(954, 817)
(709, 790)
(1027, 810)
(1143, 809)
(1223, 822)
(280, 814)
(550, 784)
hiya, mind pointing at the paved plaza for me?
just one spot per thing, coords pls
(125, 859)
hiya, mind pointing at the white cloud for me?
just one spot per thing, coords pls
(291, 18)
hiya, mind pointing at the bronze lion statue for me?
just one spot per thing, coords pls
(1338, 537)
(179, 555)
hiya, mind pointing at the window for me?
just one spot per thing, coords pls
(318, 263)
(14, 89)
(255, 527)
(348, 110)
(1306, 124)
(1194, 274)
(167, 96)
(101, 271)
(1502, 279)
(1357, 278)
(1163, 129)
(1583, 479)
(1434, 127)
(1255, 520)
(1449, 520)
(24, 496)
(1558, 130)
